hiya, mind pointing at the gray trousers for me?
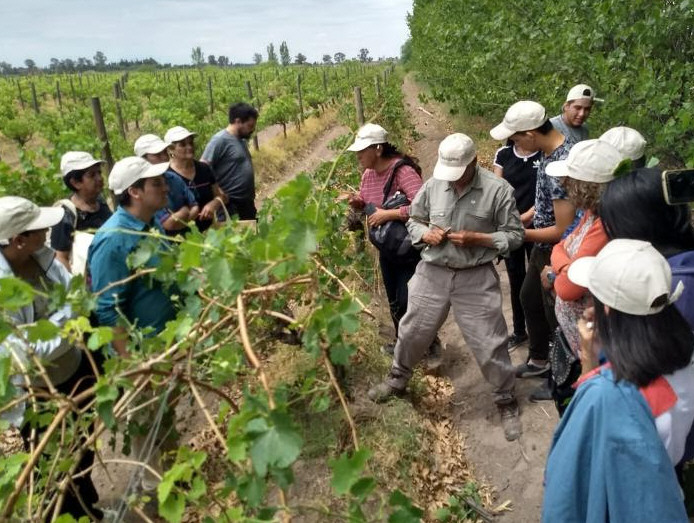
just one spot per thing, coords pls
(475, 296)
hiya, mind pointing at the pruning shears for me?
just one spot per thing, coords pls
(425, 222)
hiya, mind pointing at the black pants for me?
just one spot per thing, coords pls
(80, 381)
(244, 209)
(538, 305)
(515, 267)
(396, 274)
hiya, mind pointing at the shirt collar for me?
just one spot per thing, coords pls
(131, 222)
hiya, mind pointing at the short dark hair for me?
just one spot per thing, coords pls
(124, 199)
(74, 176)
(242, 111)
(642, 348)
(633, 206)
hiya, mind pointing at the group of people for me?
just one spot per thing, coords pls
(163, 187)
(604, 303)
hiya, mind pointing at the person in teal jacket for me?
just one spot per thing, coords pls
(607, 461)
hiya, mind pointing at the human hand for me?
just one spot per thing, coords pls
(527, 217)
(379, 217)
(354, 200)
(462, 238)
(434, 236)
(209, 211)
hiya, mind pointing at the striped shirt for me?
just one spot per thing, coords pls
(406, 181)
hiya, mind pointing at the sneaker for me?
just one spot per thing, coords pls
(530, 370)
(383, 392)
(388, 348)
(510, 420)
(516, 339)
(542, 393)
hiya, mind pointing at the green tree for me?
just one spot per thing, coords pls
(327, 59)
(211, 60)
(364, 55)
(100, 60)
(257, 58)
(284, 54)
(30, 65)
(339, 57)
(197, 56)
(300, 59)
(271, 53)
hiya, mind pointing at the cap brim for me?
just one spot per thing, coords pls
(359, 145)
(48, 217)
(81, 166)
(155, 170)
(172, 140)
(156, 149)
(448, 174)
(558, 169)
(581, 269)
(501, 132)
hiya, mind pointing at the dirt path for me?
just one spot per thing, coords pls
(514, 469)
(309, 161)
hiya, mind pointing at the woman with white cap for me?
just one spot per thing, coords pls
(23, 255)
(608, 461)
(382, 161)
(585, 173)
(85, 209)
(197, 176)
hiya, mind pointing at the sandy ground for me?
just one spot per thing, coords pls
(515, 469)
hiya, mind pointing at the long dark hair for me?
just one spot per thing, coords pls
(633, 206)
(642, 348)
(390, 151)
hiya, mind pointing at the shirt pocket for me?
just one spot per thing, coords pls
(440, 216)
(479, 221)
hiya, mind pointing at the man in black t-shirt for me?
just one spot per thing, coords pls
(519, 168)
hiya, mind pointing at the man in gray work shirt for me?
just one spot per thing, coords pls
(228, 155)
(464, 217)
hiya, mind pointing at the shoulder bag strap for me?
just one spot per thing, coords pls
(391, 178)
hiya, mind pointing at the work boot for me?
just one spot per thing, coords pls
(510, 420)
(434, 357)
(392, 386)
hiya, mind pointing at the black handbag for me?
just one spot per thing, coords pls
(392, 238)
(565, 369)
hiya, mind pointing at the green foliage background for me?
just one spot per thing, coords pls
(483, 56)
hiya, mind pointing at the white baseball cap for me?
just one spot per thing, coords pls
(18, 215)
(131, 169)
(521, 116)
(456, 152)
(627, 275)
(582, 92)
(76, 161)
(178, 133)
(149, 144)
(627, 141)
(589, 161)
(369, 134)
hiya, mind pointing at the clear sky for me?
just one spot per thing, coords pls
(167, 30)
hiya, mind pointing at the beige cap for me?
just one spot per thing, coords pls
(149, 144)
(131, 169)
(627, 275)
(76, 161)
(456, 152)
(589, 161)
(369, 134)
(178, 133)
(627, 141)
(18, 215)
(521, 116)
(582, 92)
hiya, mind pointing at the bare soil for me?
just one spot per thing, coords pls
(514, 469)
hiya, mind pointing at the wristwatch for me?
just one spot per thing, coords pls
(551, 276)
